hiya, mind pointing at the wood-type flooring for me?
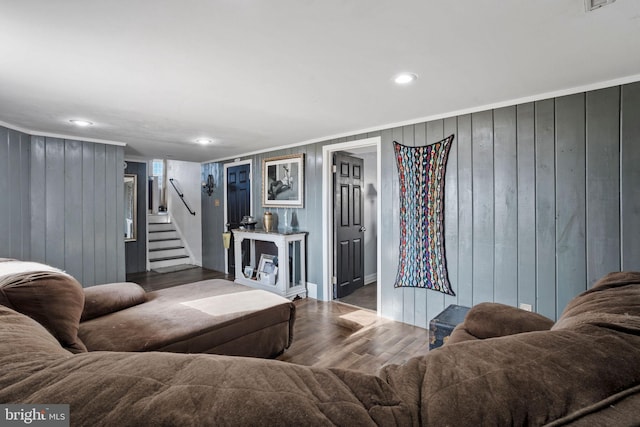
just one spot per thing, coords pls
(365, 297)
(152, 281)
(326, 334)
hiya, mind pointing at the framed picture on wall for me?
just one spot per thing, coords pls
(283, 181)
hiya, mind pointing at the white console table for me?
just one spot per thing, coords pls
(297, 286)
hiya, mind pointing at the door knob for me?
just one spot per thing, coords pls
(363, 228)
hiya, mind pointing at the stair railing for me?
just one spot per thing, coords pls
(181, 195)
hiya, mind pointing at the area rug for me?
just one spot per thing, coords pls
(359, 319)
(421, 171)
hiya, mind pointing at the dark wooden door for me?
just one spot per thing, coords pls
(238, 205)
(348, 219)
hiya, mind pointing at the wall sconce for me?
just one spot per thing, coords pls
(208, 186)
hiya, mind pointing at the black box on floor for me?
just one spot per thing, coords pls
(443, 324)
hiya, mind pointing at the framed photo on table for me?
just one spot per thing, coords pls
(248, 272)
(267, 270)
(270, 268)
(283, 181)
(266, 262)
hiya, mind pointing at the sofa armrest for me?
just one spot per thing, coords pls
(488, 320)
(104, 299)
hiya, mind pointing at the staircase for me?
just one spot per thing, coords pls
(165, 245)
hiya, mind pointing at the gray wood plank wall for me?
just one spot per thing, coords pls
(15, 208)
(541, 200)
(62, 204)
(77, 209)
(630, 176)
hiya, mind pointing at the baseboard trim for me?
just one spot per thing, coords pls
(370, 278)
(312, 290)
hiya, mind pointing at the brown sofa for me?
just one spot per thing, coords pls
(582, 370)
(212, 316)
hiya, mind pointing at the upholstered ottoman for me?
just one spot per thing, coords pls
(212, 316)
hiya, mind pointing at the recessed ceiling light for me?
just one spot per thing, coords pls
(81, 123)
(405, 78)
(204, 141)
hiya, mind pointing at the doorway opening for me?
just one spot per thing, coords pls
(157, 185)
(237, 201)
(368, 148)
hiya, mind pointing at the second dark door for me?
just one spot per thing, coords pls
(238, 205)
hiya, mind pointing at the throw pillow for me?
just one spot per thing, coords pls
(48, 295)
(104, 299)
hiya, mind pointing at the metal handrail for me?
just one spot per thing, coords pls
(181, 197)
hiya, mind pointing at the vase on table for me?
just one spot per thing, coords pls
(267, 222)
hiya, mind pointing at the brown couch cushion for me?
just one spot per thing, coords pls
(165, 389)
(48, 295)
(104, 299)
(489, 320)
(22, 335)
(611, 302)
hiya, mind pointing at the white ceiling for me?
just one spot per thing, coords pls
(157, 74)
